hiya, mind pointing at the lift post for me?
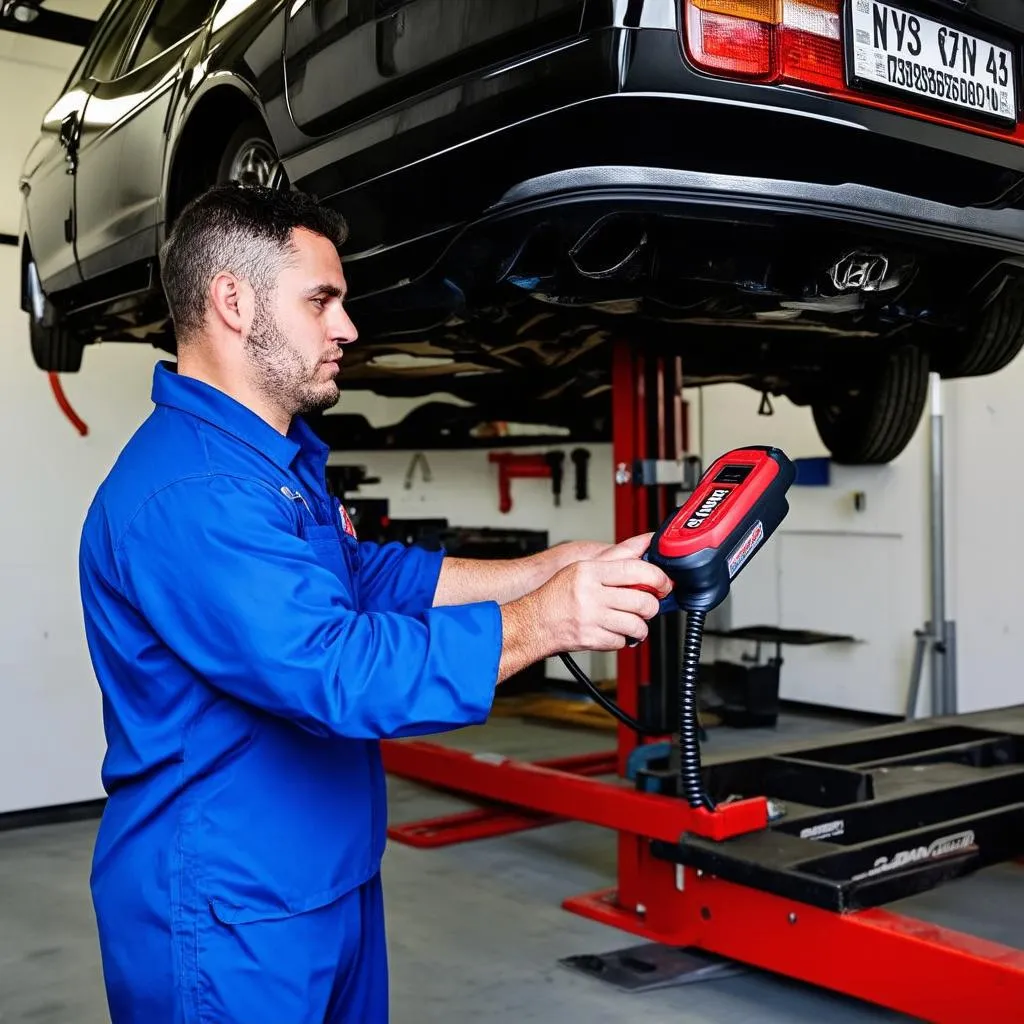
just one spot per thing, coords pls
(875, 816)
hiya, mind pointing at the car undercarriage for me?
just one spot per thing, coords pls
(517, 315)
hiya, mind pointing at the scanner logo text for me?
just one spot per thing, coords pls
(707, 506)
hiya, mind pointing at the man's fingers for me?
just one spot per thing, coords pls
(629, 599)
(599, 639)
(632, 547)
(634, 573)
(605, 641)
(623, 624)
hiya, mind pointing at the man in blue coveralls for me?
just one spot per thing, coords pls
(252, 652)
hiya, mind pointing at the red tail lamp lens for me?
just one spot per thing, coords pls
(794, 41)
(809, 60)
(725, 43)
(810, 50)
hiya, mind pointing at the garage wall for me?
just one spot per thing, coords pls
(51, 739)
(867, 573)
(985, 513)
(830, 567)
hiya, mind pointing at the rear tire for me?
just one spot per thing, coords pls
(55, 348)
(872, 422)
(249, 157)
(996, 340)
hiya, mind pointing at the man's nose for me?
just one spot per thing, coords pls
(343, 330)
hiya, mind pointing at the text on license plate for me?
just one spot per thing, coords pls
(901, 50)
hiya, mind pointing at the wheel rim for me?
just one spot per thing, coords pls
(255, 163)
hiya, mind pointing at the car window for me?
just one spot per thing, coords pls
(172, 21)
(101, 57)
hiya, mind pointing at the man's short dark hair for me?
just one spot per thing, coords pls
(244, 230)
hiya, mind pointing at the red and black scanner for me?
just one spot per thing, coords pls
(705, 544)
(702, 547)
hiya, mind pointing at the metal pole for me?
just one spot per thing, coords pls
(950, 656)
(939, 694)
(921, 638)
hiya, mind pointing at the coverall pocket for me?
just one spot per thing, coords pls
(264, 966)
(254, 910)
(330, 549)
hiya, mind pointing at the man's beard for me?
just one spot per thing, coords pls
(279, 372)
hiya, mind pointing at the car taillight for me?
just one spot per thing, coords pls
(735, 46)
(767, 40)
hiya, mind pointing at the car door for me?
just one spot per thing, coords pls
(50, 174)
(349, 59)
(123, 135)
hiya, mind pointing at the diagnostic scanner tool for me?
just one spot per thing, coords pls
(702, 547)
(735, 508)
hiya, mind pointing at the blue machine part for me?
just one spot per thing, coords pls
(812, 472)
(644, 755)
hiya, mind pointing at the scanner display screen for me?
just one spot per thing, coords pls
(733, 474)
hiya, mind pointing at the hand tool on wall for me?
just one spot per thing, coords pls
(513, 465)
(581, 459)
(418, 459)
(556, 460)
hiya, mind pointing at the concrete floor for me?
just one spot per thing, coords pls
(476, 931)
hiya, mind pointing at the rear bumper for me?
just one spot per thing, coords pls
(622, 115)
(877, 209)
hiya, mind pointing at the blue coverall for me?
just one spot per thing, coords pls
(251, 653)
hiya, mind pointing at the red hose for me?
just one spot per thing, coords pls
(62, 400)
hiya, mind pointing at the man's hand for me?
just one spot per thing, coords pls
(633, 547)
(589, 550)
(588, 606)
(463, 580)
(595, 606)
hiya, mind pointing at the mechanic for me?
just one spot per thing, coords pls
(252, 652)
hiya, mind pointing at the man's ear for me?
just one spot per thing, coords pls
(231, 302)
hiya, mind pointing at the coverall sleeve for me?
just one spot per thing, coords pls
(214, 565)
(397, 578)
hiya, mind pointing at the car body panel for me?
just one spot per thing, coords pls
(120, 179)
(348, 60)
(237, 55)
(48, 185)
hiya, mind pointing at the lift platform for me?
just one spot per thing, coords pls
(811, 842)
(869, 819)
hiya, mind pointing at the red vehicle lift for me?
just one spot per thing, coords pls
(796, 886)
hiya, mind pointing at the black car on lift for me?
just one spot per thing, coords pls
(822, 199)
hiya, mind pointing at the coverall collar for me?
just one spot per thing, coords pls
(199, 399)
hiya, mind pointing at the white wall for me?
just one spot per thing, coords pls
(834, 569)
(830, 567)
(51, 739)
(985, 512)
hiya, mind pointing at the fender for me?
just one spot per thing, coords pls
(217, 82)
(234, 72)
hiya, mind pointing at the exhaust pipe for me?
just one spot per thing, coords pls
(609, 248)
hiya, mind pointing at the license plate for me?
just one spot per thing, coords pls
(897, 49)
